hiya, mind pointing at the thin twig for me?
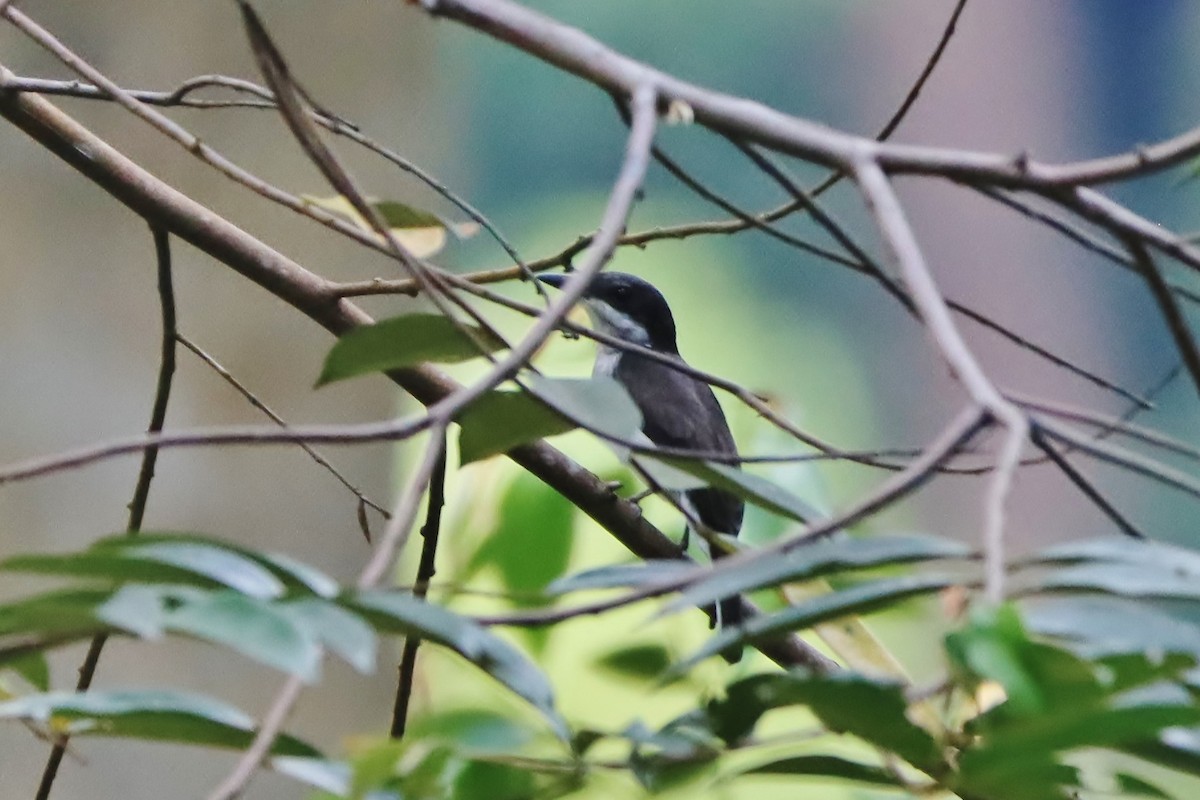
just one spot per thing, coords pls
(1172, 314)
(902, 244)
(425, 572)
(258, 403)
(141, 490)
(1083, 484)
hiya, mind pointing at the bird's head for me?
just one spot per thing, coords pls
(627, 307)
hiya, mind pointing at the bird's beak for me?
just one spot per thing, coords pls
(556, 281)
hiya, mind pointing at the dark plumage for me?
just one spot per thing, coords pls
(678, 410)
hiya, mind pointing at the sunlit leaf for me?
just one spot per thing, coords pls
(403, 341)
(476, 731)
(1138, 787)
(533, 518)
(162, 716)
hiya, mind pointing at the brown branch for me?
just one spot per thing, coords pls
(141, 491)
(425, 572)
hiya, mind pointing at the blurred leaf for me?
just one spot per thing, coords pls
(399, 342)
(405, 614)
(826, 767)
(69, 613)
(623, 575)
(641, 661)
(255, 628)
(818, 558)
(482, 779)
(1097, 626)
(858, 599)
(531, 544)
(1126, 580)
(34, 669)
(157, 562)
(874, 711)
(319, 773)
(499, 421)
(1036, 677)
(475, 731)
(598, 403)
(295, 575)
(751, 488)
(1133, 785)
(1168, 557)
(341, 631)
(162, 716)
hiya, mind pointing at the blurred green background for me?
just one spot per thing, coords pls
(537, 150)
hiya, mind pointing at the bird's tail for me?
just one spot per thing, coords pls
(728, 615)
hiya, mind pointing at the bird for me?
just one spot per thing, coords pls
(678, 410)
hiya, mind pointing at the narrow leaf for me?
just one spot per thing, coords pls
(751, 488)
(816, 559)
(859, 599)
(618, 576)
(153, 715)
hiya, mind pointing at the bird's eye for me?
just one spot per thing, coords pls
(622, 291)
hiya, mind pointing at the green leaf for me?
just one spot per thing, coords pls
(640, 661)
(818, 558)
(479, 779)
(255, 628)
(34, 669)
(826, 767)
(872, 710)
(617, 576)
(319, 773)
(403, 341)
(1097, 626)
(295, 575)
(1133, 785)
(475, 731)
(859, 599)
(751, 488)
(598, 403)
(500, 421)
(1168, 557)
(68, 613)
(1126, 580)
(1037, 678)
(341, 631)
(163, 716)
(533, 519)
(156, 563)
(405, 614)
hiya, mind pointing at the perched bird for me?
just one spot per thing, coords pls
(678, 411)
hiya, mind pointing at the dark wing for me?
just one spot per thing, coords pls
(680, 411)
